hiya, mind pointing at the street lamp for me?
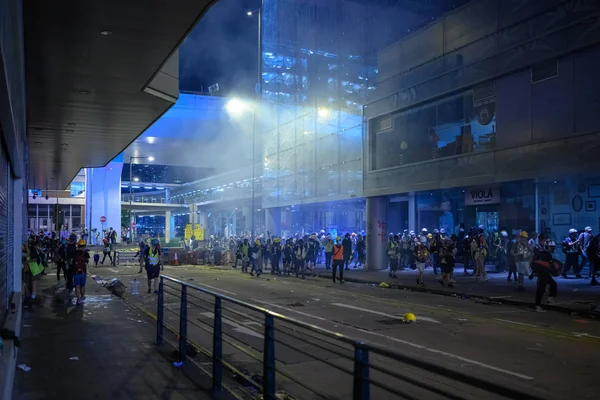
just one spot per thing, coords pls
(131, 158)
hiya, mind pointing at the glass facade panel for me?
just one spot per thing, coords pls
(448, 127)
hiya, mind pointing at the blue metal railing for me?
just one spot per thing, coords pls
(362, 360)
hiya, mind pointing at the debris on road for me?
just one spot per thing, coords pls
(24, 367)
(384, 285)
(296, 304)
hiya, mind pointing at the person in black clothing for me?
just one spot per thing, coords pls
(106, 252)
(275, 256)
(347, 245)
(60, 257)
(545, 267)
(360, 250)
(267, 249)
(71, 253)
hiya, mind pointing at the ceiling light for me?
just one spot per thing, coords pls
(249, 13)
(83, 91)
(106, 33)
(136, 179)
(150, 139)
(150, 158)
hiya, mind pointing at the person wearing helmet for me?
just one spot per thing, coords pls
(523, 254)
(245, 254)
(275, 256)
(545, 267)
(328, 245)
(361, 251)
(347, 245)
(501, 244)
(421, 257)
(586, 238)
(447, 252)
(393, 249)
(256, 258)
(435, 244)
(571, 248)
(82, 258)
(287, 256)
(299, 251)
(106, 251)
(480, 250)
(338, 259)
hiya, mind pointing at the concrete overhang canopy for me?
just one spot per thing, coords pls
(98, 74)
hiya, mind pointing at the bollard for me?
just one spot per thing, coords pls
(160, 313)
(183, 325)
(269, 359)
(217, 356)
(361, 373)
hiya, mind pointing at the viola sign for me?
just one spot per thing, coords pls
(482, 195)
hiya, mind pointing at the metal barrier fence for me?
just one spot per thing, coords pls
(305, 360)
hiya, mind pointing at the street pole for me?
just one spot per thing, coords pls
(259, 97)
(130, 195)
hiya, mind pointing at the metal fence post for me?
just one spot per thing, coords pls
(160, 313)
(361, 373)
(217, 367)
(183, 324)
(269, 359)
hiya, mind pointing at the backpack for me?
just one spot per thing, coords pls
(80, 261)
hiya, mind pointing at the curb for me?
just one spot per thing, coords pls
(494, 300)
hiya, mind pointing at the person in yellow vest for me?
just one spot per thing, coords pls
(35, 265)
(153, 265)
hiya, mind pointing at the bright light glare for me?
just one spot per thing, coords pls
(151, 139)
(323, 113)
(136, 179)
(150, 158)
(249, 13)
(237, 107)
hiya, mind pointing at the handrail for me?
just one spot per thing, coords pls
(362, 348)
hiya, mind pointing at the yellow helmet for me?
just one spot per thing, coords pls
(338, 239)
(81, 243)
(257, 241)
(429, 236)
(277, 240)
(524, 234)
(410, 318)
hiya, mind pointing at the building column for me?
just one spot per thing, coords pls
(273, 221)
(412, 212)
(203, 215)
(286, 221)
(377, 233)
(103, 196)
(167, 226)
(168, 196)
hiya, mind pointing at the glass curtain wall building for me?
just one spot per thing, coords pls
(319, 70)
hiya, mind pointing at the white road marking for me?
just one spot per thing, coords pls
(289, 309)
(514, 322)
(236, 326)
(426, 319)
(215, 288)
(417, 346)
(579, 335)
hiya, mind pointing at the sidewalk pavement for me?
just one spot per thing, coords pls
(574, 295)
(100, 350)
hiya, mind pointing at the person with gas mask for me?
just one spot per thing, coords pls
(546, 267)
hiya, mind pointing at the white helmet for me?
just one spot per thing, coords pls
(424, 230)
(412, 233)
(588, 228)
(442, 231)
(504, 233)
(572, 230)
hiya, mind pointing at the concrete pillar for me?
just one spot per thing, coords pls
(273, 221)
(286, 221)
(247, 212)
(103, 196)
(412, 212)
(167, 226)
(377, 233)
(168, 196)
(203, 215)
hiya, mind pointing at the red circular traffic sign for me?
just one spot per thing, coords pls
(133, 226)
(103, 219)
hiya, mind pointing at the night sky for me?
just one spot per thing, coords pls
(222, 49)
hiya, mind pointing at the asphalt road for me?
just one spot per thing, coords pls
(551, 355)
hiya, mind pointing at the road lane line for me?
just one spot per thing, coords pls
(414, 345)
(286, 308)
(426, 319)
(236, 326)
(450, 355)
(215, 288)
(514, 322)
